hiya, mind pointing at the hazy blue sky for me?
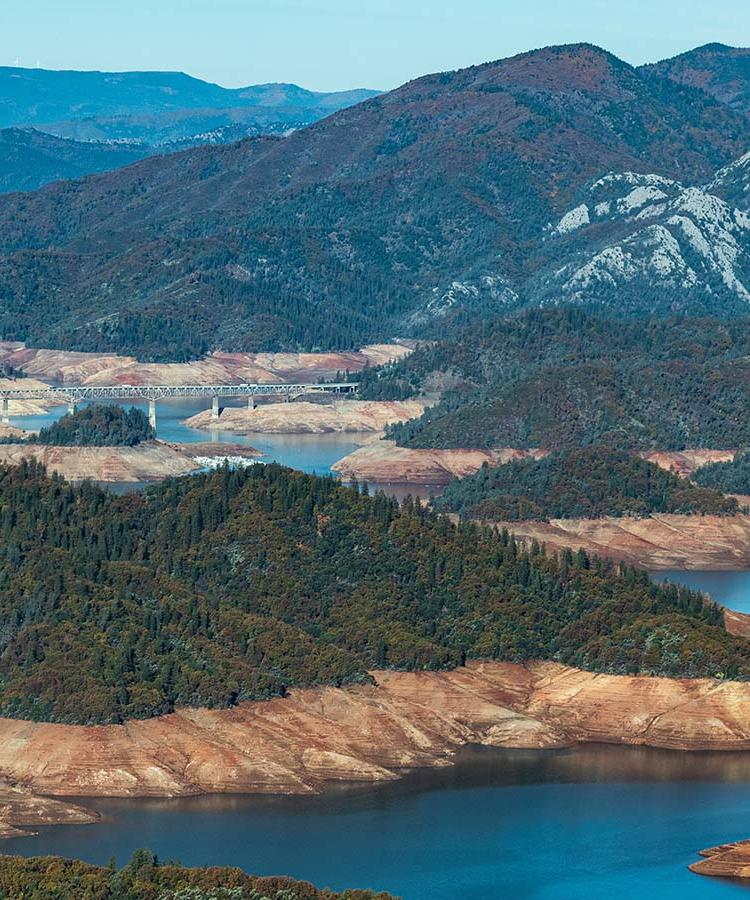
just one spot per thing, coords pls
(330, 44)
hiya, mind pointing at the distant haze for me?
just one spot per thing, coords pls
(341, 44)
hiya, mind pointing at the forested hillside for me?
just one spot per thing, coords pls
(560, 379)
(377, 221)
(145, 878)
(587, 483)
(218, 588)
(731, 477)
(98, 426)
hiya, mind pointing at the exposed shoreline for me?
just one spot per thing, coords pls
(364, 417)
(149, 462)
(318, 736)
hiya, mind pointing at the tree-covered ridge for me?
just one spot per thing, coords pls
(145, 878)
(586, 483)
(730, 477)
(559, 379)
(98, 425)
(235, 585)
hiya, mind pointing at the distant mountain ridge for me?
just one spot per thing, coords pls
(152, 106)
(437, 199)
(143, 113)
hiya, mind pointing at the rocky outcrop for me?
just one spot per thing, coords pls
(654, 542)
(21, 812)
(69, 367)
(147, 462)
(370, 733)
(383, 462)
(725, 861)
(300, 417)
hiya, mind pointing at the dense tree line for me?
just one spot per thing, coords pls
(97, 425)
(234, 585)
(559, 379)
(145, 878)
(731, 477)
(586, 483)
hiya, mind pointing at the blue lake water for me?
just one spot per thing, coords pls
(583, 824)
(731, 589)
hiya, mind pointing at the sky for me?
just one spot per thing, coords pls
(337, 44)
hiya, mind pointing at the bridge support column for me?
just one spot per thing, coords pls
(152, 414)
(288, 395)
(71, 407)
(6, 411)
(251, 401)
(215, 408)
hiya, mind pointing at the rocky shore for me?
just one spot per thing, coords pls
(70, 367)
(298, 744)
(725, 861)
(383, 462)
(342, 416)
(148, 462)
(652, 542)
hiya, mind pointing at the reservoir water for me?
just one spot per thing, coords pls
(584, 824)
(731, 589)
(311, 453)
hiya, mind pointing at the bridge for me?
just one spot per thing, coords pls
(73, 395)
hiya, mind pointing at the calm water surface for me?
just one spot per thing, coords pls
(311, 453)
(583, 824)
(731, 589)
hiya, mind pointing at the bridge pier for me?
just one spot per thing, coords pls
(215, 408)
(251, 401)
(71, 407)
(152, 414)
(6, 411)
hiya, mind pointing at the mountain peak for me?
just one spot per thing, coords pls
(718, 69)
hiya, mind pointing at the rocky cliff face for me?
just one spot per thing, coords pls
(298, 744)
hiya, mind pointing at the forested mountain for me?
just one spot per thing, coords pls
(722, 71)
(561, 379)
(378, 220)
(145, 878)
(30, 158)
(586, 483)
(218, 588)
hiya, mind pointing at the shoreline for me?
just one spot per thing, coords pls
(317, 738)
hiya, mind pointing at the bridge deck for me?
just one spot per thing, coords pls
(76, 393)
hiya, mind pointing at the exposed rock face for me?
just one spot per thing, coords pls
(70, 367)
(656, 542)
(367, 733)
(725, 861)
(301, 417)
(152, 461)
(685, 462)
(383, 462)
